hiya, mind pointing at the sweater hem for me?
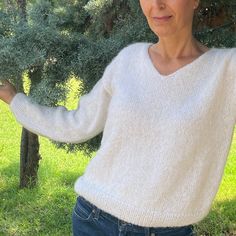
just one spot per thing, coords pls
(130, 213)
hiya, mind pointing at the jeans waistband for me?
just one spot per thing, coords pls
(133, 227)
(103, 213)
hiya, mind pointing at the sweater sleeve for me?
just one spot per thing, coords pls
(59, 124)
(232, 73)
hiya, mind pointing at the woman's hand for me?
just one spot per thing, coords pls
(7, 91)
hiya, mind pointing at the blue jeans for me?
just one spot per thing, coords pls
(89, 220)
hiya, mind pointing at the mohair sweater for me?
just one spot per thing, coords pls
(166, 138)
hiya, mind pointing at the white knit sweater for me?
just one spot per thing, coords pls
(165, 140)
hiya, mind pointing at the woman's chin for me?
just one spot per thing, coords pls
(163, 34)
(161, 31)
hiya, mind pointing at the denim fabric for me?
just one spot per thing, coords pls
(88, 220)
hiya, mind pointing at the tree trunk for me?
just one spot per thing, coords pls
(22, 8)
(29, 159)
(29, 149)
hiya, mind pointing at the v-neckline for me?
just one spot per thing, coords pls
(181, 69)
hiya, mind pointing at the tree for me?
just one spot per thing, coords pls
(26, 49)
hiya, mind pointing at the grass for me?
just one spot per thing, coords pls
(46, 209)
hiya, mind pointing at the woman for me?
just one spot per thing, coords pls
(167, 111)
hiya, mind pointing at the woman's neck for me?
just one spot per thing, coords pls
(179, 47)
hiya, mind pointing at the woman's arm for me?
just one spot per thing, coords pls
(57, 123)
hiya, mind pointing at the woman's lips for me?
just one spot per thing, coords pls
(162, 18)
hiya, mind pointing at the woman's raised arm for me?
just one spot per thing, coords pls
(57, 123)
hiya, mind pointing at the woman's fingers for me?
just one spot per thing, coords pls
(4, 82)
(7, 91)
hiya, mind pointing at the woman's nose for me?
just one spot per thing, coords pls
(160, 4)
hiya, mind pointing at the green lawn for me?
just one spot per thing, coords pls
(46, 209)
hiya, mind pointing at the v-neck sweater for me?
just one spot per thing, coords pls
(166, 138)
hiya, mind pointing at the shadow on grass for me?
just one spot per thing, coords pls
(68, 178)
(43, 210)
(220, 221)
